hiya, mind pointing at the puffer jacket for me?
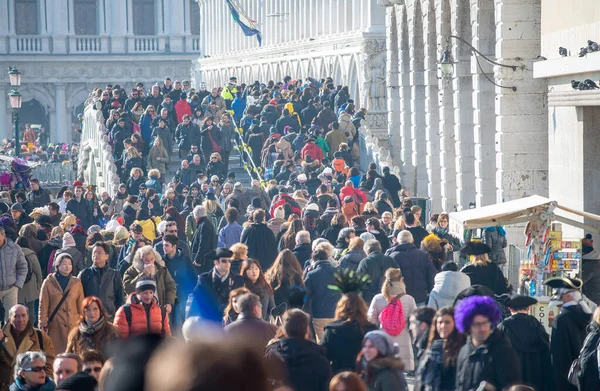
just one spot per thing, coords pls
(149, 227)
(497, 242)
(31, 288)
(13, 266)
(166, 290)
(154, 321)
(447, 285)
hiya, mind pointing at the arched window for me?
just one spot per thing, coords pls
(85, 14)
(194, 18)
(144, 17)
(26, 17)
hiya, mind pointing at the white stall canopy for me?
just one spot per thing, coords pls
(519, 211)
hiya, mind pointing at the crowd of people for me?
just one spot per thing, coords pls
(315, 277)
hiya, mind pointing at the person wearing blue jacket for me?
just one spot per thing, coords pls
(239, 106)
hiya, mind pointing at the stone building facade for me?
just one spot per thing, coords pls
(65, 48)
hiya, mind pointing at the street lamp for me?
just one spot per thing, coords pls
(16, 100)
(447, 65)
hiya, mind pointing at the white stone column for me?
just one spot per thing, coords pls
(203, 29)
(4, 31)
(393, 87)
(408, 171)
(463, 106)
(4, 113)
(102, 18)
(118, 22)
(522, 120)
(173, 20)
(10, 16)
(58, 25)
(61, 126)
(43, 16)
(375, 17)
(432, 112)
(484, 118)
(331, 19)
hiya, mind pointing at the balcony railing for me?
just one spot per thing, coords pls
(88, 44)
(101, 44)
(30, 44)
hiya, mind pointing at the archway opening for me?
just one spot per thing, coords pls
(34, 113)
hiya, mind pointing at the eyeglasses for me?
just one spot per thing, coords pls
(94, 369)
(33, 369)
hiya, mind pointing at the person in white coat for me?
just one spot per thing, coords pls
(394, 289)
(447, 285)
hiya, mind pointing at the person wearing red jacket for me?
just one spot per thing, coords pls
(283, 198)
(356, 194)
(142, 314)
(312, 149)
(182, 107)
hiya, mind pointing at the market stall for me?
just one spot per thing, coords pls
(547, 252)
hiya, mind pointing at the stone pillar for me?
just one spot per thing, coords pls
(58, 25)
(446, 118)
(393, 86)
(408, 171)
(4, 113)
(333, 18)
(484, 118)
(117, 15)
(522, 121)
(463, 106)
(43, 16)
(417, 104)
(173, 20)
(4, 31)
(62, 129)
(432, 112)
(374, 17)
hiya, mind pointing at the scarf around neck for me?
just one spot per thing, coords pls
(87, 329)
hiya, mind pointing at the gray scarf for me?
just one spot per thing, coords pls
(86, 329)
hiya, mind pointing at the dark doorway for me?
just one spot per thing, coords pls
(32, 112)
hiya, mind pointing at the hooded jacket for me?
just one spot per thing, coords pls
(351, 259)
(299, 363)
(494, 361)
(447, 285)
(166, 290)
(532, 344)
(31, 288)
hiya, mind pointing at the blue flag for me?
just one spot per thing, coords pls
(248, 26)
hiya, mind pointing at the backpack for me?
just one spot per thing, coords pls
(392, 317)
(213, 218)
(29, 270)
(128, 316)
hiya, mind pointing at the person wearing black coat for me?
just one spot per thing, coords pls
(296, 361)
(393, 185)
(133, 183)
(81, 208)
(303, 251)
(531, 342)
(486, 274)
(128, 213)
(416, 267)
(342, 341)
(260, 240)
(38, 197)
(374, 265)
(589, 379)
(203, 242)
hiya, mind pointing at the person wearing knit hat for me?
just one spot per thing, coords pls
(68, 240)
(379, 363)
(487, 356)
(112, 225)
(68, 247)
(144, 284)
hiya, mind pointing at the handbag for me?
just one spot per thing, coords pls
(60, 303)
(392, 317)
(215, 147)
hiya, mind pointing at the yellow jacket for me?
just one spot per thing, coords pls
(228, 94)
(149, 227)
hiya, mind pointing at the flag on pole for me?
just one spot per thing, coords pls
(248, 25)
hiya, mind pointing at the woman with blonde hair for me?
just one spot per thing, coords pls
(135, 180)
(158, 158)
(300, 199)
(147, 262)
(54, 319)
(240, 254)
(482, 271)
(390, 310)
(216, 167)
(232, 311)
(154, 180)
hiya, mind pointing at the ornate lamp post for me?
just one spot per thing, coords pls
(15, 102)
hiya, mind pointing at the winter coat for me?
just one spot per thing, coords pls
(226, 133)
(388, 375)
(13, 266)
(417, 269)
(404, 341)
(154, 321)
(589, 378)
(79, 343)
(68, 314)
(320, 300)
(29, 343)
(494, 361)
(566, 341)
(433, 374)
(105, 284)
(257, 330)
(342, 341)
(31, 288)
(116, 205)
(286, 293)
(38, 198)
(210, 283)
(303, 253)
(375, 265)
(313, 150)
(183, 273)
(487, 275)
(418, 233)
(261, 244)
(351, 259)
(133, 185)
(160, 165)
(530, 340)
(182, 107)
(76, 255)
(149, 227)
(591, 275)
(447, 285)
(82, 210)
(256, 192)
(204, 240)
(393, 185)
(128, 214)
(166, 290)
(299, 363)
(347, 126)
(497, 243)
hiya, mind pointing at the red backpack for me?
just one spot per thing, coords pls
(392, 317)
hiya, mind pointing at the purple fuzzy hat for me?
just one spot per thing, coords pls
(468, 308)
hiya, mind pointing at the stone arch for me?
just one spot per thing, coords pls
(310, 68)
(267, 73)
(276, 72)
(353, 81)
(259, 72)
(40, 93)
(323, 69)
(337, 73)
(77, 95)
(287, 70)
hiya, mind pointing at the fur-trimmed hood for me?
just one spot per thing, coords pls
(432, 244)
(139, 264)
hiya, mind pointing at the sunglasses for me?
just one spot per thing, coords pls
(224, 261)
(33, 369)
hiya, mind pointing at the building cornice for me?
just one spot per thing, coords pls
(566, 66)
(573, 98)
